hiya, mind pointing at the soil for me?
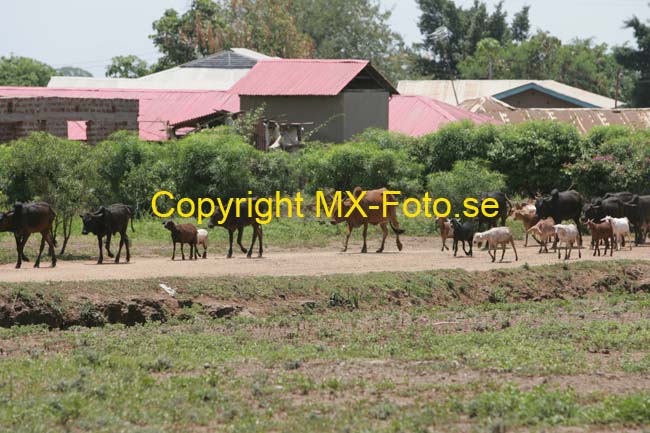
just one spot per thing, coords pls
(418, 255)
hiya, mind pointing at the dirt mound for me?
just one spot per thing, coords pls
(66, 304)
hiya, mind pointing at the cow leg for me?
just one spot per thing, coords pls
(20, 244)
(503, 252)
(101, 250)
(364, 249)
(50, 244)
(182, 250)
(126, 244)
(384, 232)
(37, 263)
(260, 235)
(18, 238)
(108, 245)
(526, 239)
(512, 241)
(577, 221)
(250, 250)
(455, 247)
(119, 249)
(173, 250)
(240, 232)
(230, 237)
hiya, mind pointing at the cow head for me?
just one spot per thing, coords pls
(345, 207)
(169, 225)
(215, 218)
(544, 206)
(6, 221)
(93, 222)
(590, 211)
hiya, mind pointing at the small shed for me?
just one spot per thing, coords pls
(341, 98)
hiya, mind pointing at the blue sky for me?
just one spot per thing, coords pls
(87, 33)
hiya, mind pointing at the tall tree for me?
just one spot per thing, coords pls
(209, 26)
(452, 33)
(638, 60)
(127, 67)
(23, 71)
(357, 29)
(521, 25)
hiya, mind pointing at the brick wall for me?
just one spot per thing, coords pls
(23, 115)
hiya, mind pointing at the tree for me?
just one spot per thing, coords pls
(209, 26)
(638, 60)
(71, 71)
(352, 29)
(521, 25)
(127, 67)
(580, 63)
(465, 28)
(23, 71)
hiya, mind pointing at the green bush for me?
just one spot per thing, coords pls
(131, 170)
(533, 155)
(466, 179)
(344, 166)
(621, 162)
(459, 141)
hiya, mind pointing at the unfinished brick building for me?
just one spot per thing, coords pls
(87, 119)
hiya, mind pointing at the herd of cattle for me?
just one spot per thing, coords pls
(609, 219)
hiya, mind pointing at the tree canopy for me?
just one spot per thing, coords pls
(23, 71)
(464, 28)
(127, 67)
(638, 61)
(580, 63)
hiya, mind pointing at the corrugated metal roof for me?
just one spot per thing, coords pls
(582, 118)
(304, 77)
(157, 107)
(419, 115)
(462, 90)
(236, 58)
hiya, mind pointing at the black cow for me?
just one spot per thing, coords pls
(234, 222)
(565, 205)
(107, 221)
(28, 218)
(638, 212)
(599, 208)
(502, 212)
(463, 233)
(624, 196)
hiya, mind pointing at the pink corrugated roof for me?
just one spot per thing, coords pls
(301, 77)
(157, 107)
(420, 115)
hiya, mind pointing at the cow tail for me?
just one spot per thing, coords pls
(52, 218)
(509, 204)
(395, 227)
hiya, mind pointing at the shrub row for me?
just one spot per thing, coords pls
(459, 160)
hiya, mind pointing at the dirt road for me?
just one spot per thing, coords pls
(418, 255)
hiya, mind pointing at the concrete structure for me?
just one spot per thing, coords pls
(582, 118)
(162, 113)
(87, 119)
(218, 71)
(341, 98)
(517, 93)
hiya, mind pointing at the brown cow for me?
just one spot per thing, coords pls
(446, 232)
(28, 218)
(373, 216)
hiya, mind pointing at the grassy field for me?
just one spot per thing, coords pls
(427, 351)
(151, 239)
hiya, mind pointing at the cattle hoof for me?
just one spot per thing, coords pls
(99, 262)
(54, 264)
(381, 250)
(117, 260)
(17, 266)
(399, 247)
(205, 256)
(37, 265)
(111, 255)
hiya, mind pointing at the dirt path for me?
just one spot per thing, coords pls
(418, 255)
